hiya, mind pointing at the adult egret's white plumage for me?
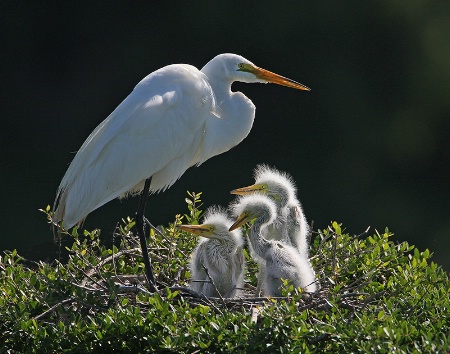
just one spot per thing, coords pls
(220, 251)
(176, 117)
(282, 261)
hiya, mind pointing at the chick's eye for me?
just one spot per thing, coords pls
(241, 66)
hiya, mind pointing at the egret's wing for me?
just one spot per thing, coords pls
(204, 258)
(297, 228)
(239, 263)
(198, 274)
(161, 121)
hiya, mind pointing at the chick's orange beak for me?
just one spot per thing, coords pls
(201, 230)
(241, 220)
(248, 190)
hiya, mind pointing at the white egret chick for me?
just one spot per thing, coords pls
(175, 118)
(290, 225)
(220, 251)
(281, 261)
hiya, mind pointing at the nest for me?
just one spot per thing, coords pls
(103, 277)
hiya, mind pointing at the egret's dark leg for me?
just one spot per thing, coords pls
(141, 232)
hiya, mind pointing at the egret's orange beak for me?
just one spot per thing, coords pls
(255, 188)
(204, 230)
(241, 220)
(269, 76)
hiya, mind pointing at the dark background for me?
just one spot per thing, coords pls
(368, 146)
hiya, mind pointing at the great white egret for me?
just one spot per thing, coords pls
(217, 263)
(176, 117)
(282, 261)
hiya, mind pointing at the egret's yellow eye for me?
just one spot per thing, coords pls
(243, 67)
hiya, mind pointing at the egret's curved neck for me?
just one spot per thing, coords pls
(259, 244)
(230, 121)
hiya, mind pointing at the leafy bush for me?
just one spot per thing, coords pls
(376, 296)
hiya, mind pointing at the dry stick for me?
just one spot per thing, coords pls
(320, 338)
(187, 291)
(51, 309)
(196, 295)
(133, 279)
(126, 289)
(155, 228)
(86, 276)
(353, 295)
(364, 232)
(113, 261)
(214, 284)
(254, 314)
(317, 305)
(91, 271)
(104, 290)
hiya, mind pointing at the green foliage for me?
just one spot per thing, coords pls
(193, 204)
(376, 296)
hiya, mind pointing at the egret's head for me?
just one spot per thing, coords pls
(253, 207)
(215, 226)
(269, 181)
(236, 68)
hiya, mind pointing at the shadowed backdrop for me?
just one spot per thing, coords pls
(368, 146)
